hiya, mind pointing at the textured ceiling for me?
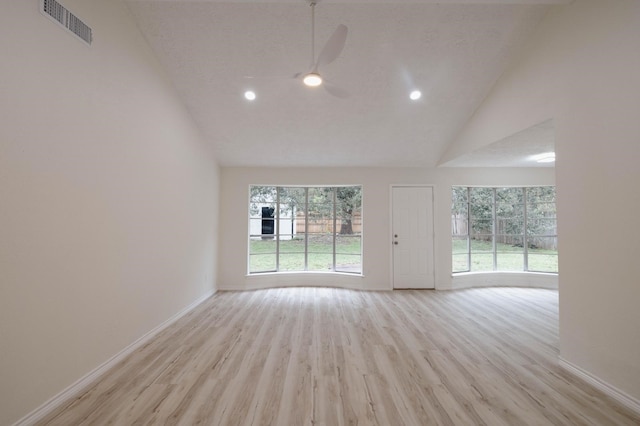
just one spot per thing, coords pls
(452, 51)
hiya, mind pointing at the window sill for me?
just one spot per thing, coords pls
(290, 273)
(504, 279)
(458, 274)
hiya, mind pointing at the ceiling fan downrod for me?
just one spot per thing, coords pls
(313, 79)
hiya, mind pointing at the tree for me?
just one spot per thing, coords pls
(261, 195)
(349, 201)
(315, 202)
(509, 208)
(459, 210)
(481, 212)
(541, 217)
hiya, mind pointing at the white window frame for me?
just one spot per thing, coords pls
(525, 236)
(277, 234)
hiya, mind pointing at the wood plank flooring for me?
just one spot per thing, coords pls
(324, 356)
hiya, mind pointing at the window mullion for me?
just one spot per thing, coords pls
(335, 222)
(493, 231)
(277, 228)
(525, 241)
(306, 229)
(468, 229)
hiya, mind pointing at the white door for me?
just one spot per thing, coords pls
(412, 236)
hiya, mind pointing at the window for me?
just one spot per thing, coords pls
(305, 229)
(504, 229)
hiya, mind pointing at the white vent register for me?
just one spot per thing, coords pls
(58, 13)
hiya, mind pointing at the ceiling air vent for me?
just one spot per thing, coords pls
(58, 13)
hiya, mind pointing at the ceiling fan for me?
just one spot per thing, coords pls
(328, 54)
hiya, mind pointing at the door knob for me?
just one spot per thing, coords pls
(395, 242)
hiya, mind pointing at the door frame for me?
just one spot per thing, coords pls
(433, 222)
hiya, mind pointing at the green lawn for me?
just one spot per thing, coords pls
(509, 257)
(320, 254)
(348, 256)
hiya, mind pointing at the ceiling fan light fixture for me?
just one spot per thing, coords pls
(312, 79)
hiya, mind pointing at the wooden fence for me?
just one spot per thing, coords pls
(325, 226)
(460, 227)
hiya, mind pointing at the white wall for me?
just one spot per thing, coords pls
(583, 70)
(108, 199)
(376, 183)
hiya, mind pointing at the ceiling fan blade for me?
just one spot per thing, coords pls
(334, 46)
(338, 92)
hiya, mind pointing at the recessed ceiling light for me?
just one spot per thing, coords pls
(250, 95)
(547, 157)
(312, 79)
(415, 95)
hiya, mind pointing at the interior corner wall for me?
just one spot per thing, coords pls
(376, 246)
(582, 70)
(108, 199)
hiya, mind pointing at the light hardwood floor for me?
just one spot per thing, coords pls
(323, 356)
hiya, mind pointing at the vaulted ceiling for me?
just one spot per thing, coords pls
(452, 51)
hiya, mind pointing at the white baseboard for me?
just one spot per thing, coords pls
(301, 279)
(55, 402)
(615, 393)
